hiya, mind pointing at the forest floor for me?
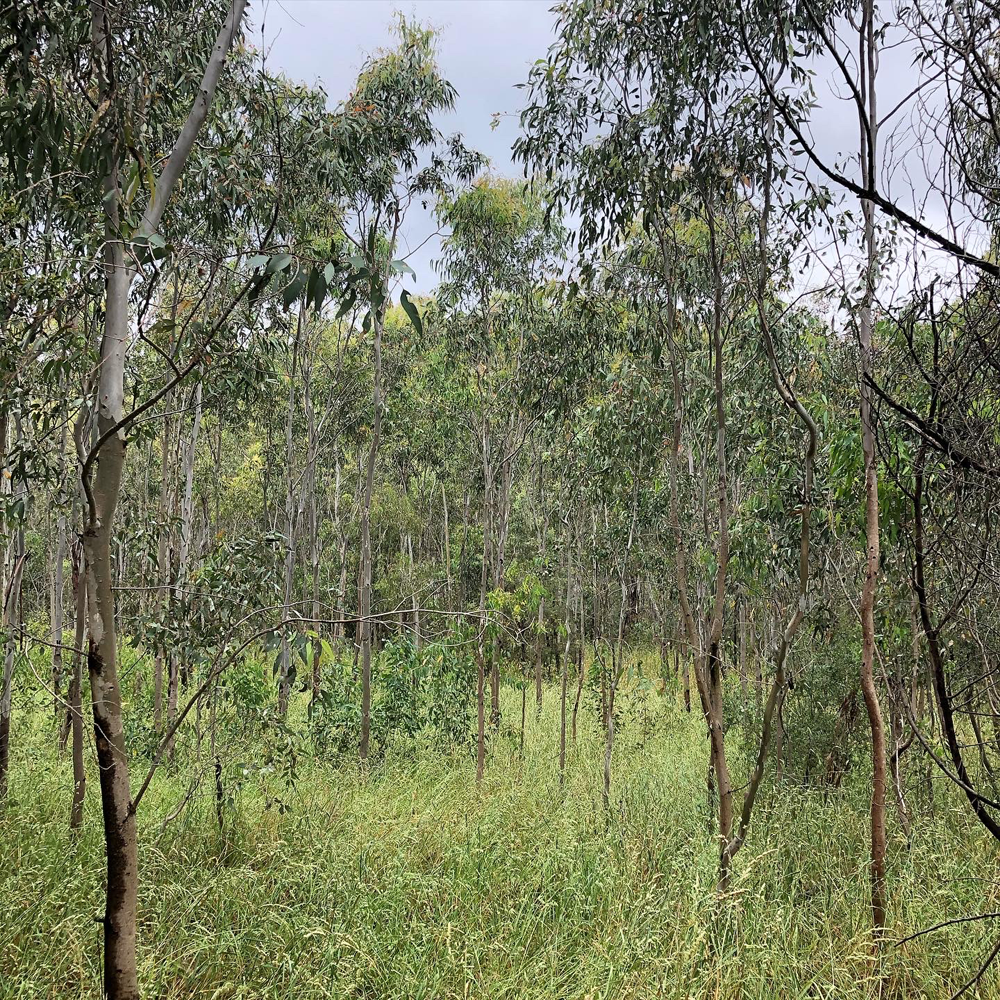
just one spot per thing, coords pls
(409, 882)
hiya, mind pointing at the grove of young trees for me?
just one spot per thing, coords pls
(658, 543)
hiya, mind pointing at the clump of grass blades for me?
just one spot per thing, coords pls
(409, 881)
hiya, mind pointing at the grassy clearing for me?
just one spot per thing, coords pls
(412, 883)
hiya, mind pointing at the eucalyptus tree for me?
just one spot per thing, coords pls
(120, 975)
(621, 436)
(632, 113)
(663, 143)
(935, 381)
(391, 116)
(120, 146)
(949, 110)
(909, 361)
(312, 221)
(43, 311)
(868, 154)
(498, 251)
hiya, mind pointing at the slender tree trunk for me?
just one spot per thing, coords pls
(609, 740)
(579, 690)
(779, 745)
(502, 526)
(315, 551)
(414, 604)
(119, 921)
(604, 693)
(481, 714)
(447, 552)
(342, 583)
(184, 549)
(483, 577)
(76, 689)
(868, 689)
(867, 606)
(689, 628)
(341, 613)
(565, 669)
(664, 648)
(543, 532)
(580, 651)
(59, 558)
(220, 793)
(524, 709)
(712, 665)
(11, 621)
(538, 658)
(120, 972)
(285, 664)
(618, 658)
(744, 680)
(365, 597)
(758, 671)
(463, 549)
(163, 548)
(495, 687)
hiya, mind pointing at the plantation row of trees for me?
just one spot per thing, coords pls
(690, 391)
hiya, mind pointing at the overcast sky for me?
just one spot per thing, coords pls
(486, 48)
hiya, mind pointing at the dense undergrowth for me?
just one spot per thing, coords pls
(408, 881)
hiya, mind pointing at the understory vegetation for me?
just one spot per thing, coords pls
(619, 617)
(413, 882)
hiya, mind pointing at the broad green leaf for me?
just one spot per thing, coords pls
(411, 311)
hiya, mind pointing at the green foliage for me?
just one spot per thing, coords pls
(519, 885)
(560, 434)
(427, 690)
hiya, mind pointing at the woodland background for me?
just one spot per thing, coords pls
(619, 620)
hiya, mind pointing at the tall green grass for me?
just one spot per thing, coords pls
(409, 881)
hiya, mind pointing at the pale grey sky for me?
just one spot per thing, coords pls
(486, 47)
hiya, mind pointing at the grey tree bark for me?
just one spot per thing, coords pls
(15, 557)
(365, 595)
(76, 688)
(869, 138)
(291, 522)
(58, 587)
(119, 921)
